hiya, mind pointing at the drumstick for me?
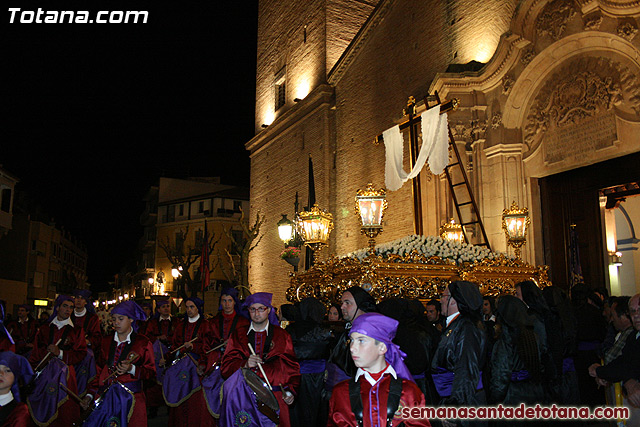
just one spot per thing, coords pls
(46, 356)
(70, 393)
(192, 359)
(132, 358)
(285, 392)
(217, 347)
(261, 368)
(173, 351)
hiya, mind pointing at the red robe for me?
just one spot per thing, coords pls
(374, 404)
(223, 326)
(74, 349)
(73, 346)
(5, 344)
(156, 327)
(280, 364)
(15, 414)
(90, 322)
(23, 334)
(194, 410)
(145, 369)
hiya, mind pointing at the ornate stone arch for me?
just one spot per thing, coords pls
(549, 61)
(586, 82)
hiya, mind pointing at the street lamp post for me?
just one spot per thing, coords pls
(290, 237)
(176, 272)
(286, 229)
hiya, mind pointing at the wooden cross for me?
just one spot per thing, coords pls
(412, 121)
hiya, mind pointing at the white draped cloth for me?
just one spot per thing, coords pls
(435, 148)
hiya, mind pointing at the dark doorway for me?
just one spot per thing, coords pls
(572, 197)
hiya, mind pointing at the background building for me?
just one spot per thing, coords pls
(38, 259)
(7, 190)
(549, 117)
(174, 229)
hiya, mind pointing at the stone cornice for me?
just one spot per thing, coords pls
(503, 149)
(321, 96)
(620, 8)
(505, 57)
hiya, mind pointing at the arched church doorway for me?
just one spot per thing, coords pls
(580, 209)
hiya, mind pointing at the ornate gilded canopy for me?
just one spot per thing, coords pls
(410, 276)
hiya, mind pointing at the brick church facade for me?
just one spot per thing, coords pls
(546, 88)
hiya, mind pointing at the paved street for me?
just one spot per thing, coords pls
(162, 420)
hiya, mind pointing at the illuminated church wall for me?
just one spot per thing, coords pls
(403, 49)
(406, 45)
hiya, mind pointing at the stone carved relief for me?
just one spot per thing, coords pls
(469, 131)
(593, 23)
(527, 56)
(496, 120)
(627, 31)
(478, 129)
(461, 132)
(571, 96)
(507, 84)
(553, 19)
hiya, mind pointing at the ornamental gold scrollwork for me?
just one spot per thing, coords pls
(410, 276)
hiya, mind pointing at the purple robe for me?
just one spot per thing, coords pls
(240, 404)
(180, 382)
(115, 408)
(212, 384)
(85, 372)
(48, 396)
(159, 350)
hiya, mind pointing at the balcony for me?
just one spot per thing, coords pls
(148, 218)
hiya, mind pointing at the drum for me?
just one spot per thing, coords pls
(160, 351)
(180, 381)
(247, 400)
(267, 402)
(47, 396)
(85, 372)
(114, 407)
(211, 385)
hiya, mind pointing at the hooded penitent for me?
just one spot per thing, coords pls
(364, 301)
(383, 329)
(263, 298)
(86, 294)
(132, 310)
(57, 304)
(198, 303)
(468, 297)
(233, 293)
(21, 369)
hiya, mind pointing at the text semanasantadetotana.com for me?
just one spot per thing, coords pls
(17, 15)
(537, 412)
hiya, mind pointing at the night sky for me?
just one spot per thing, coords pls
(93, 114)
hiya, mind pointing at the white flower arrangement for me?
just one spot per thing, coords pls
(430, 246)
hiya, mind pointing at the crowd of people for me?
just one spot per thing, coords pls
(356, 363)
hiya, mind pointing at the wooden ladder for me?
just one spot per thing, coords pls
(461, 193)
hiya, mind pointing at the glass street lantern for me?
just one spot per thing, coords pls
(285, 229)
(452, 232)
(314, 226)
(370, 206)
(514, 223)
